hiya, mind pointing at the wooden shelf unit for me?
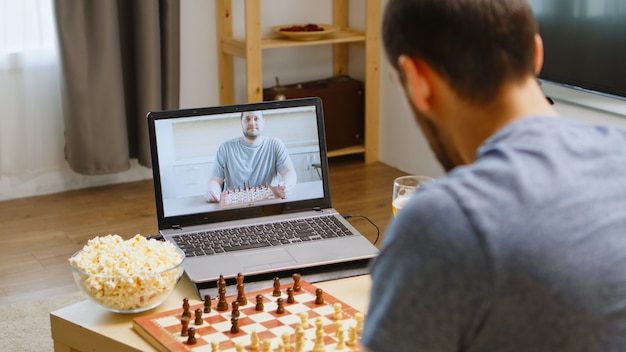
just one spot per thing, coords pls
(251, 46)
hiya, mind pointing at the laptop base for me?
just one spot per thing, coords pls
(310, 274)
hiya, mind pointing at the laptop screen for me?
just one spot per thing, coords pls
(239, 161)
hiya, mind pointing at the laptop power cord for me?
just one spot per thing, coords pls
(348, 216)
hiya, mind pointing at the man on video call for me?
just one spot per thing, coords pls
(251, 160)
(521, 246)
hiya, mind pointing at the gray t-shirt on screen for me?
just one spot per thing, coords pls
(240, 163)
(524, 250)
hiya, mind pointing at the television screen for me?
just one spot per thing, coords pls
(585, 44)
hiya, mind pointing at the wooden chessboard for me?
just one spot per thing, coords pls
(163, 330)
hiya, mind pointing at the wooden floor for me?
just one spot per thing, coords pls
(39, 234)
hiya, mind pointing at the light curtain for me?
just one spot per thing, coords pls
(120, 60)
(31, 121)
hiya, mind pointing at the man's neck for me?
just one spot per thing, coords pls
(475, 124)
(254, 141)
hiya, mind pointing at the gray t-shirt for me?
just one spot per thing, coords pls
(238, 162)
(524, 250)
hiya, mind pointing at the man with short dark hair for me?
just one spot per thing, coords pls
(251, 159)
(522, 245)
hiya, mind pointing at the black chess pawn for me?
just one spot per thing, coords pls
(290, 298)
(235, 310)
(296, 282)
(280, 309)
(184, 322)
(207, 303)
(198, 320)
(191, 340)
(259, 303)
(234, 327)
(319, 296)
(276, 292)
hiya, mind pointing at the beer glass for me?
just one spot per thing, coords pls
(403, 188)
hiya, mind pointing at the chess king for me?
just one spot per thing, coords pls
(251, 160)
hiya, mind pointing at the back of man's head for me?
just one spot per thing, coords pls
(476, 45)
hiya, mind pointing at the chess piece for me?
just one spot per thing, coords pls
(352, 340)
(296, 282)
(304, 319)
(222, 304)
(276, 292)
(184, 322)
(235, 309)
(221, 282)
(286, 341)
(290, 298)
(319, 341)
(267, 345)
(358, 316)
(239, 347)
(300, 339)
(215, 346)
(241, 296)
(338, 313)
(207, 303)
(338, 328)
(319, 296)
(280, 309)
(234, 325)
(198, 320)
(186, 312)
(319, 324)
(341, 343)
(239, 279)
(191, 340)
(254, 340)
(259, 303)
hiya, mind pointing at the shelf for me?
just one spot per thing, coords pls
(237, 47)
(252, 45)
(357, 149)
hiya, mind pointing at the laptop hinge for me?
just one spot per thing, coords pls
(177, 227)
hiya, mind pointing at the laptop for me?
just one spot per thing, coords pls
(184, 148)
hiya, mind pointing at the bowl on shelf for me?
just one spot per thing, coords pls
(126, 279)
(307, 31)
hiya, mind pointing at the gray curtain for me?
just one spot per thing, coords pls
(120, 59)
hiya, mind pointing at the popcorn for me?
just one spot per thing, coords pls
(127, 275)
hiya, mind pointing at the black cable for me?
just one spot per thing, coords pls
(348, 216)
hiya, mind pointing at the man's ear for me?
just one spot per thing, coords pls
(416, 83)
(538, 53)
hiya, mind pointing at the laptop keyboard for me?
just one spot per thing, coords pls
(263, 235)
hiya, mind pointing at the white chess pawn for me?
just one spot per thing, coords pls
(267, 345)
(338, 312)
(286, 343)
(359, 317)
(341, 343)
(254, 340)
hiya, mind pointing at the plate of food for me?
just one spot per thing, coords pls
(307, 31)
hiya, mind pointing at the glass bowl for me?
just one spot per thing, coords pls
(129, 294)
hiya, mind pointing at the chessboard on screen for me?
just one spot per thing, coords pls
(293, 316)
(248, 194)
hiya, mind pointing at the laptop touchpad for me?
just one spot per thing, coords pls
(274, 258)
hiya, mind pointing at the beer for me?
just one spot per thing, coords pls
(398, 204)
